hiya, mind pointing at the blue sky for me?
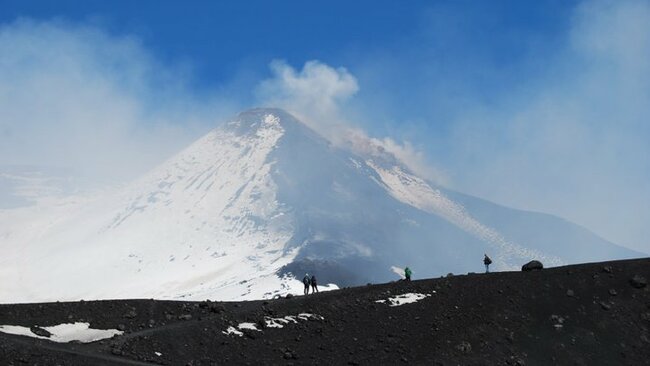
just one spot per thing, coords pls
(221, 41)
(537, 105)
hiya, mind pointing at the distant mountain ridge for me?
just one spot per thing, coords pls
(256, 201)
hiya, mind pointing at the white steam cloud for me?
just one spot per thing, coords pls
(316, 92)
(578, 145)
(76, 97)
(317, 95)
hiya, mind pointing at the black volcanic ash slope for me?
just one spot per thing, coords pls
(589, 314)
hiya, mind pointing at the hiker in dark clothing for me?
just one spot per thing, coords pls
(407, 273)
(306, 281)
(487, 261)
(314, 284)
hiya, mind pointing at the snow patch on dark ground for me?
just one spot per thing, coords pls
(402, 299)
(63, 333)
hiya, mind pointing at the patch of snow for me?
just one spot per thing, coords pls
(281, 322)
(158, 354)
(62, 333)
(18, 330)
(408, 298)
(272, 323)
(232, 330)
(249, 326)
(277, 322)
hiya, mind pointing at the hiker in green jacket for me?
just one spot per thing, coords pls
(407, 273)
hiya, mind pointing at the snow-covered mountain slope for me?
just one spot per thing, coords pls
(253, 202)
(26, 185)
(205, 222)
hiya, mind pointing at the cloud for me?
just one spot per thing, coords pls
(101, 105)
(386, 148)
(316, 92)
(75, 96)
(576, 142)
(318, 95)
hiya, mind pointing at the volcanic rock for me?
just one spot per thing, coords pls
(613, 292)
(570, 293)
(533, 265)
(40, 332)
(464, 347)
(607, 269)
(130, 314)
(217, 308)
(638, 281)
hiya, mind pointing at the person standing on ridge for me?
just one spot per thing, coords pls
(487, 261)
(314, 284)
(306, 281)
(407, 273)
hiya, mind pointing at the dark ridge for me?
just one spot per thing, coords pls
(588, 314)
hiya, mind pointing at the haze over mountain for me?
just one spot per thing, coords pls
(256, 201)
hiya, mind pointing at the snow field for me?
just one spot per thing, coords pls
(271, 323)
(407, 298)
(63, 333)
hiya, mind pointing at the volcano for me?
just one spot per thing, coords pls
(255, 204)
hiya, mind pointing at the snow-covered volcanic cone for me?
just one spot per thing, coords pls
(253, 202)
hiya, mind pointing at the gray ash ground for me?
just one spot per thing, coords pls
(589, 314)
